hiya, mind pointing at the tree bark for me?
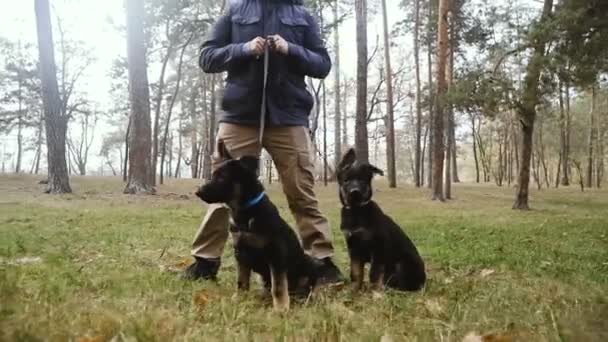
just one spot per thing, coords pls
(438, 123)
(56, 123)
(337, 93)
(140, 171)
(390, 134)
(527, 113)
(361, 139)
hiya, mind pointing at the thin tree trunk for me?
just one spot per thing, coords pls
(125, 165)
(325, 178)
(568, 127)
(211, 130)
(591, 137)
(361, 138)
(345, 115)
(449, 117)
(563, 166)
(417, 149)
(158, 107)
(474, 134)
(19, 125)
(172, 104)
(56, 123)
(194, 142)
(527, 113)
(438, 123)
(337, 93)
(140, 171)
(390, 134)
(430, 120)
(179, 152)
(455, 177)
(423, 154)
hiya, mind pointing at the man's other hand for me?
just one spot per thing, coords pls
(256, 46)
(278, 44)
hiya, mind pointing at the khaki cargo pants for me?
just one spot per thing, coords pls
(290, 149)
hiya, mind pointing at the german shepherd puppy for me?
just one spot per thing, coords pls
(373, 237)
(264, 243)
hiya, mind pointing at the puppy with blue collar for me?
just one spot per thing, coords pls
(263, 242)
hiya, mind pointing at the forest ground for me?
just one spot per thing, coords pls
(98, 265)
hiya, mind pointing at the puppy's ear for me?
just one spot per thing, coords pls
(348, 159)
(376, 170)
(250, 163)
(222, 151)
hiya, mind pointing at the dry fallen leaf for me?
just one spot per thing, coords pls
(486, 272)
(474, 337)
(91, 339)
(24, 261)
(386, 338)
(433, 307)
(201, 299)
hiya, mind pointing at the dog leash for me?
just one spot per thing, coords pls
(263, 108)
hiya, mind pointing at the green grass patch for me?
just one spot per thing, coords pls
(104, 257)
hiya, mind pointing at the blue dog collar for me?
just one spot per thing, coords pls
(255, 200)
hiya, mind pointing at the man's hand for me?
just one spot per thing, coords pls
(278, 44)
(256, 46)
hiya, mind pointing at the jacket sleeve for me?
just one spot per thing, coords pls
(217, 52)
(312, 58)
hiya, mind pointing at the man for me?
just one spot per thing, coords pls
(237, 45)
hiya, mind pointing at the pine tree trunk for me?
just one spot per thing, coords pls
(474, 134)
(345, 93)
(449, 114)
(337, 93)
(140, 170)
(325, 176)
(589, 178)
(194, 133)
(417, 148)
(157, 113)
(210, 131)
(565, 179)
(56, 123)
(178, 83)
(125, 165)
(438, 122)
(527, 113)
(180, 147)
(390, 134)
(361, 139)
(430, 120)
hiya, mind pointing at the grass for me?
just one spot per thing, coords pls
(104, 259)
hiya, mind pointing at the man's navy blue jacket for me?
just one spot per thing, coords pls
(288, 101)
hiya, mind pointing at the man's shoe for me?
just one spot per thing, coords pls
(202, 269)
(329, 274)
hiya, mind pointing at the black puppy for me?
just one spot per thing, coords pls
(373, 237)
(264, 243)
